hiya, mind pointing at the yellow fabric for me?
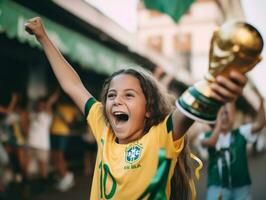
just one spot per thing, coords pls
(193, 189)
(197, 170)
(118, 177)
(59, 126)
(197, 174)
(18, 134)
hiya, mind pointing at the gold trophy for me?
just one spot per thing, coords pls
(234, 46)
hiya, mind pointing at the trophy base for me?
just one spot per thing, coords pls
(198, 107)
(190, 115)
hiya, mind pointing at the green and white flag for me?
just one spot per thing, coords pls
(174, 8)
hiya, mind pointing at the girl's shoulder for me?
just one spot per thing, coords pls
(92, 102)
(166, 124)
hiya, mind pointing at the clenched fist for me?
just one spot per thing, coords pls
(35, 27)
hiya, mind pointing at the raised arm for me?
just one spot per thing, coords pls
(11, 105)
(223, 90)
(52, 99)
(212, 140)
(260, 120)
(65, 74)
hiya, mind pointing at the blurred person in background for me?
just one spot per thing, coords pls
(4, 158)
(228, 173)
(16, 126)
(39, 134)
(4, 111)
(63, 116)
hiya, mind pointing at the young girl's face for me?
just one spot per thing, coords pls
(126, 108)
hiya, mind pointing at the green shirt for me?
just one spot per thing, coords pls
(232, 155)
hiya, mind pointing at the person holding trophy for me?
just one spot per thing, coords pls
(137, 133)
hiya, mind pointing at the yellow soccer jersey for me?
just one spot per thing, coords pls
(135, 170)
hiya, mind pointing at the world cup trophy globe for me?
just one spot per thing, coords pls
(235, 45)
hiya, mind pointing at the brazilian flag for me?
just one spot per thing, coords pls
(174, 8)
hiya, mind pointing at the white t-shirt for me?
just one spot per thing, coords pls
(39, 132)
(225, 139)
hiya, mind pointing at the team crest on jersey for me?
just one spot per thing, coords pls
(133, 153)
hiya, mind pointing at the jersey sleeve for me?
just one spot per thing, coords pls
(245, 131)
(95, 118)
(166, 137)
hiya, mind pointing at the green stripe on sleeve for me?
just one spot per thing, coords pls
(88, 105)
(169, 124)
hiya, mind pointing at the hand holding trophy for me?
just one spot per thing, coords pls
(235, 46)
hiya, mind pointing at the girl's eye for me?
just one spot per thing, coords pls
(111, 95)
(129, 95)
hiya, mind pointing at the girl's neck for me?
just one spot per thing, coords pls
(134, 137)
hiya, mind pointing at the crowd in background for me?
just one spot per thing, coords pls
(34, 138)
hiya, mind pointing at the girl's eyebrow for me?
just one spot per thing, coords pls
(130, 89)
(126, 90)
(111, 90)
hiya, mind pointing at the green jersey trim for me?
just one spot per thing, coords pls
(169, 124)
(88, 105)
(157, 186)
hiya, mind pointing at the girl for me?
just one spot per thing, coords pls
(139, 136)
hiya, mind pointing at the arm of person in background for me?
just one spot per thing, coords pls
(260, 120)
(24, 121)
(52, 99)
(2, 110)
(6, 110)
(212, 140)
(223, 90)
(231, 111)
(65, 74)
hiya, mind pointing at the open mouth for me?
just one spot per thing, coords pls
(120, 117)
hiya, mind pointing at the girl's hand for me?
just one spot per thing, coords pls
(227, 89)
(35, 27)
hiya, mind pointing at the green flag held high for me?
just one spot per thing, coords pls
(174, 8)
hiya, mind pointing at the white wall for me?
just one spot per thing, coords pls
(255, 14)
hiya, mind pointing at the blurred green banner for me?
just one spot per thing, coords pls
(174, 8)
(80, 49)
